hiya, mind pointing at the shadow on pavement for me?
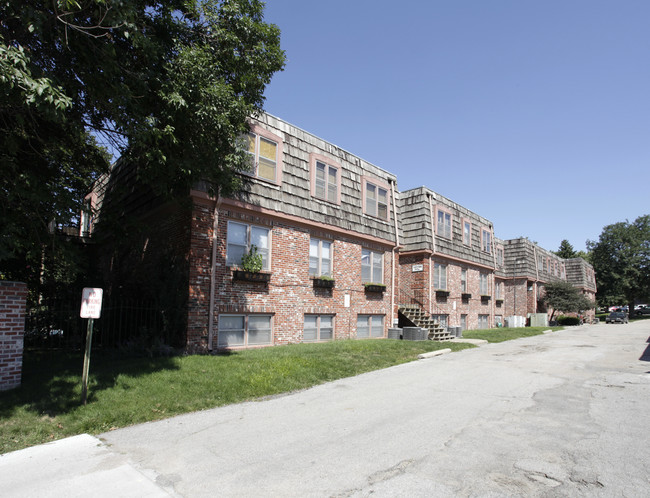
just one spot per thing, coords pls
(646, 354)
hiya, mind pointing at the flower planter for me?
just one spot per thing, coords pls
(442, 293)
(466, 296)
(375, 288)
(323, 283)
(485, 299)
(499, 302)
(249, 276)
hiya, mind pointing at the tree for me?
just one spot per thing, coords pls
(566, 250)
(563, 296)
(621, 259)
(166, 85)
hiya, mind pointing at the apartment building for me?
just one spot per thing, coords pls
(344, 253)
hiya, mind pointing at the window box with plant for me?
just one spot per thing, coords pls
(466, 296)
(442, 293)
(485, 298)
(251, 268)
(499, 302)
(372, 287)
(323, 282)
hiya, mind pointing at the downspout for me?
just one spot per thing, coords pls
(395, 248)
(493, 247)
(433, 251)
(213, 268)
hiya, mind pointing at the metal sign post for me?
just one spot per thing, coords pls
(91, 307)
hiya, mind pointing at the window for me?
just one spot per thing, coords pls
(467, 233)
(483, 321)
(500, 256)
(86, 218)
(486, 240)
(265, 154)
(372, 267)
(325, 178)
(484, 287)
(463, 281)
(439, 276)
(240, 239)
(318, 328)
(370, 326)
(443, 320)
(375, 198)
(498, 290)
(244, 330)
(498, 319)
(540, 263)
(463, 322)
(443, 228)
(320, 258)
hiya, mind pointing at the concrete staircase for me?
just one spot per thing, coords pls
(419, 318)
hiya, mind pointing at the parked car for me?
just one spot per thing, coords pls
(616, 317)
(643, 311)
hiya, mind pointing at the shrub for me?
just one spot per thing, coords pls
(568, 320)
(252, 260)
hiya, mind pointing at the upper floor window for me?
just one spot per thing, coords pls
(498, 290)
(484, 285)
(265, 153)
(320, 258)
(500, 256)
(467, 233)
(444, 224)
(439, 276)
(240, 239)
(375, 198)
(463, 281)
(486, 240)
(372, 267)
(325, 178)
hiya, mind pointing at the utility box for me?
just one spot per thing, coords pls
(515, 321)
(539, 320)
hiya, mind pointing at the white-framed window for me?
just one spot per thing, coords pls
(244, 330)
(325, 178)
(484, 321)
(443, 320)
(320, 258)
(463, 322)
(443, 225)
(498, 290)
(486, 240)
(372, 266)
(265, 151)
(540, 262)
(370, 326)
(499, 256)
(439, 276)
(318, 328)
(241, 237)
(484, 284)
(467, 232)
(375, 199)
(463, 280)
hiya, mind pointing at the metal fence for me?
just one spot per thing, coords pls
(55, 323)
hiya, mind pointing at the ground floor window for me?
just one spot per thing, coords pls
(370, 326)
(484, 321)
(318, 328)
(463, 322)
(443, 320)
(244, 330)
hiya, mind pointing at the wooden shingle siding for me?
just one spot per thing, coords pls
(294, 197)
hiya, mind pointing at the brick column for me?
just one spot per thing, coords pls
(13, 298)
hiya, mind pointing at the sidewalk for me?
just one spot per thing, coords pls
(78, 466)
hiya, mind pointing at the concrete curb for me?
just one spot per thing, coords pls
(431, 354)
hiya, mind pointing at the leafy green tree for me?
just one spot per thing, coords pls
(564, 297)
(165, 85)
(621, 259)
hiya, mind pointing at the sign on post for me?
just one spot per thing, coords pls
(91, 302)
(91, 308)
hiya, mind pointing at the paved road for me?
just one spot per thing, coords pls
(563, 414)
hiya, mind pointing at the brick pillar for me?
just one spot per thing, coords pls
(13, 298)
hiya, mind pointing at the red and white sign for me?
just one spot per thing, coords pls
(91, 302)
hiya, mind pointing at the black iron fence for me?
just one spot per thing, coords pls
(55, 323)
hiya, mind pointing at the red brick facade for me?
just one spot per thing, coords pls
(13, 296)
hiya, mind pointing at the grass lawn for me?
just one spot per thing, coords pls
(506, 334)
(123, 391)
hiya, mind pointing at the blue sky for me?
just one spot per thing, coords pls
(533, 114)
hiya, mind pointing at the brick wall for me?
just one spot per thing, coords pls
(13, 296)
